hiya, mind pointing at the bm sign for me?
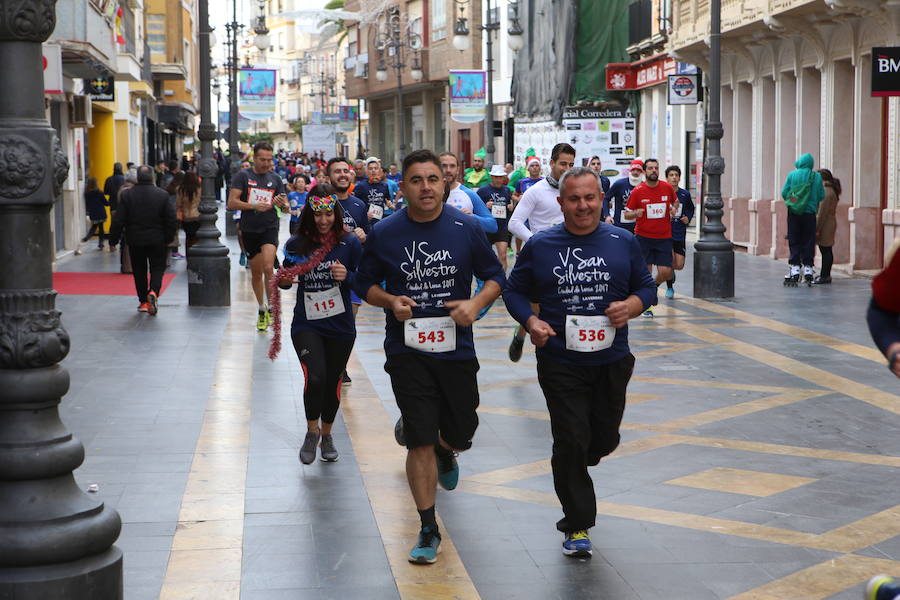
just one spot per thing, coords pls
(886, 71)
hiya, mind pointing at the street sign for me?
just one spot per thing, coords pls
(100, 88)
(53, 75)
(685, 89)
(886, 71)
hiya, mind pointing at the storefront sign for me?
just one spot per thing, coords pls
(685, 89)
(886, 71)
(101, 89)
(256, 97)
(639, 75)
(468, 96)
(53, 74)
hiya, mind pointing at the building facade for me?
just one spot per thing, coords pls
(99, 92)
(424, 110)
(796, 77)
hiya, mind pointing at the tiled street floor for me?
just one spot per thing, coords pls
(760, 457)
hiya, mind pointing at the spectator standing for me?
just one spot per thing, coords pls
(187, 207)
(802, 192)
(172, 190)
(826, 224)
(111, 186)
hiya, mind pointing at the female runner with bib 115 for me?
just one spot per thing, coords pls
(321, 256)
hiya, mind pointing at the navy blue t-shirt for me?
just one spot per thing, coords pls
(431, 263)
(615, 201)
(679, 229)
(570, 274)
(378, 194)
(355, 213)
(499, 196)
(348, 251)
(604, 183)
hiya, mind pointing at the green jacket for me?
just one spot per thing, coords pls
(476, 179)
(800, 175)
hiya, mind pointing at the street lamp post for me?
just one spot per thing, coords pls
(56, 541)
(209, 270)
(713, 252)
(391, 38)
(461, 43)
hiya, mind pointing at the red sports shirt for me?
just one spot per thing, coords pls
(656, 222)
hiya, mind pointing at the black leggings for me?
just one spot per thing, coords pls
(827, 261)
(323, 360)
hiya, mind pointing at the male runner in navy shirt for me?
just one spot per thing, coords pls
(588, 279)
(680, 222)
(354, 213)
(426, 255)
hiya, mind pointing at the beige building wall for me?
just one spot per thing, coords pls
(796, 79)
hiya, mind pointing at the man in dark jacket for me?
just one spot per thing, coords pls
(148, 219)
(111, 187)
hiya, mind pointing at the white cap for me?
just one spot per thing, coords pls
(372, 159)
(498, 171)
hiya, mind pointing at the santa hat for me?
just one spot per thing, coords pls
(532, 159)
(636, 164)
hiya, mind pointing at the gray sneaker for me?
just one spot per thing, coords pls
(308, 449)
(329, 452)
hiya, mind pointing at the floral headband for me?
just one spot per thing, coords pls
(320, 204)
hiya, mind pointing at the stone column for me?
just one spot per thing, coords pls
(55, 540)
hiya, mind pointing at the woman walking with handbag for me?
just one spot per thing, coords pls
(826, 224)
(802, 192)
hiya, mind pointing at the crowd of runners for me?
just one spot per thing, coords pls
(434, 251)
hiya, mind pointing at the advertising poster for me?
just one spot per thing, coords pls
(256, 93)
(468, 96)
(244, 124)
(609, 134)
(320, 138)
(348, 118)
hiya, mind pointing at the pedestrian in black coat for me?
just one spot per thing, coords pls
(148, 219)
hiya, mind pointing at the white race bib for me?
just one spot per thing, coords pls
(498, 211)
(321, 305)
(589, 333)
(657, 210)
(376, 212)
(678, 210)
(260, 196)
(431, 334)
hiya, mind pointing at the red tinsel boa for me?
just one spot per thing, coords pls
(328, 241)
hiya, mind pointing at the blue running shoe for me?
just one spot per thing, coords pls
(882, 587)
(447, 467)
(427, 547)
(670, 293)
(243, 260)
(577, 544)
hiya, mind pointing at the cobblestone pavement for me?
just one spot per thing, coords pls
(760, 456)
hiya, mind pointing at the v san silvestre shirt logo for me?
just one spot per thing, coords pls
(425, 263)
(578, 269)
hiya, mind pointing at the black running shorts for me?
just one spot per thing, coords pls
(679, 247)
(435, 397)
(253, 241)
(656, 251)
